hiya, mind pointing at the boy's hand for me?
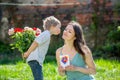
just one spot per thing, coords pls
(25, 55)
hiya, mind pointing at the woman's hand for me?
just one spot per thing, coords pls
(70, 68)
(61, 70)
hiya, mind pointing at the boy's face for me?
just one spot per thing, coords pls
(56, 30)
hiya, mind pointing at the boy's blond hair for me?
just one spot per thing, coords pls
(50, 21)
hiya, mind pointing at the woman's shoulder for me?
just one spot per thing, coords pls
(58, 50)
(86, 49)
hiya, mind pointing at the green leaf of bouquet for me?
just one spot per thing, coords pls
(11, 44)
(13, 48)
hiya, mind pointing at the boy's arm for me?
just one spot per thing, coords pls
(33, 46)
(42, 38)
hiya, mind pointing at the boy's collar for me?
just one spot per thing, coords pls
(49, 32)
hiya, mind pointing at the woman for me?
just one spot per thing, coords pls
(80, 56)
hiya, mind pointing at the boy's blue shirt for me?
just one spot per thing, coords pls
(40, 52)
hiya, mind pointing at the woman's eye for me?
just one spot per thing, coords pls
(69, 31)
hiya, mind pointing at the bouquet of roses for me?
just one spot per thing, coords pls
(22, 38)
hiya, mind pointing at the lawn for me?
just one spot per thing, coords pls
(106, 70)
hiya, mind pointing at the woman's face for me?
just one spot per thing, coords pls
(69, 33)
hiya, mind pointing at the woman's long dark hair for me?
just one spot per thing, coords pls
(79, 41)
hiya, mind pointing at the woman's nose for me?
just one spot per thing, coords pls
(65, 31)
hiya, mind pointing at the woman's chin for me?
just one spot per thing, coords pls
(63, 37)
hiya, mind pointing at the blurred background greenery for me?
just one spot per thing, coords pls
(100, 20)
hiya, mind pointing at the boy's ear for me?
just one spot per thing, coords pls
(51, 27)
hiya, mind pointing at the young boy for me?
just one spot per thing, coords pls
(36, 53)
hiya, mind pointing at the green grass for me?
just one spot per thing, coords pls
(106, 70)
(21, 71)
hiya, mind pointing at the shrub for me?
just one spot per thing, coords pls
(113, 43)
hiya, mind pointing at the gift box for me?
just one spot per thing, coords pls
(64, 60)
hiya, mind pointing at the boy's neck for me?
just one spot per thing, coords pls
(48, 31)
(51, 31)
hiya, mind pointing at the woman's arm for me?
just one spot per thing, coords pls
(61, 70)
(89, 61)
(90, 69)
